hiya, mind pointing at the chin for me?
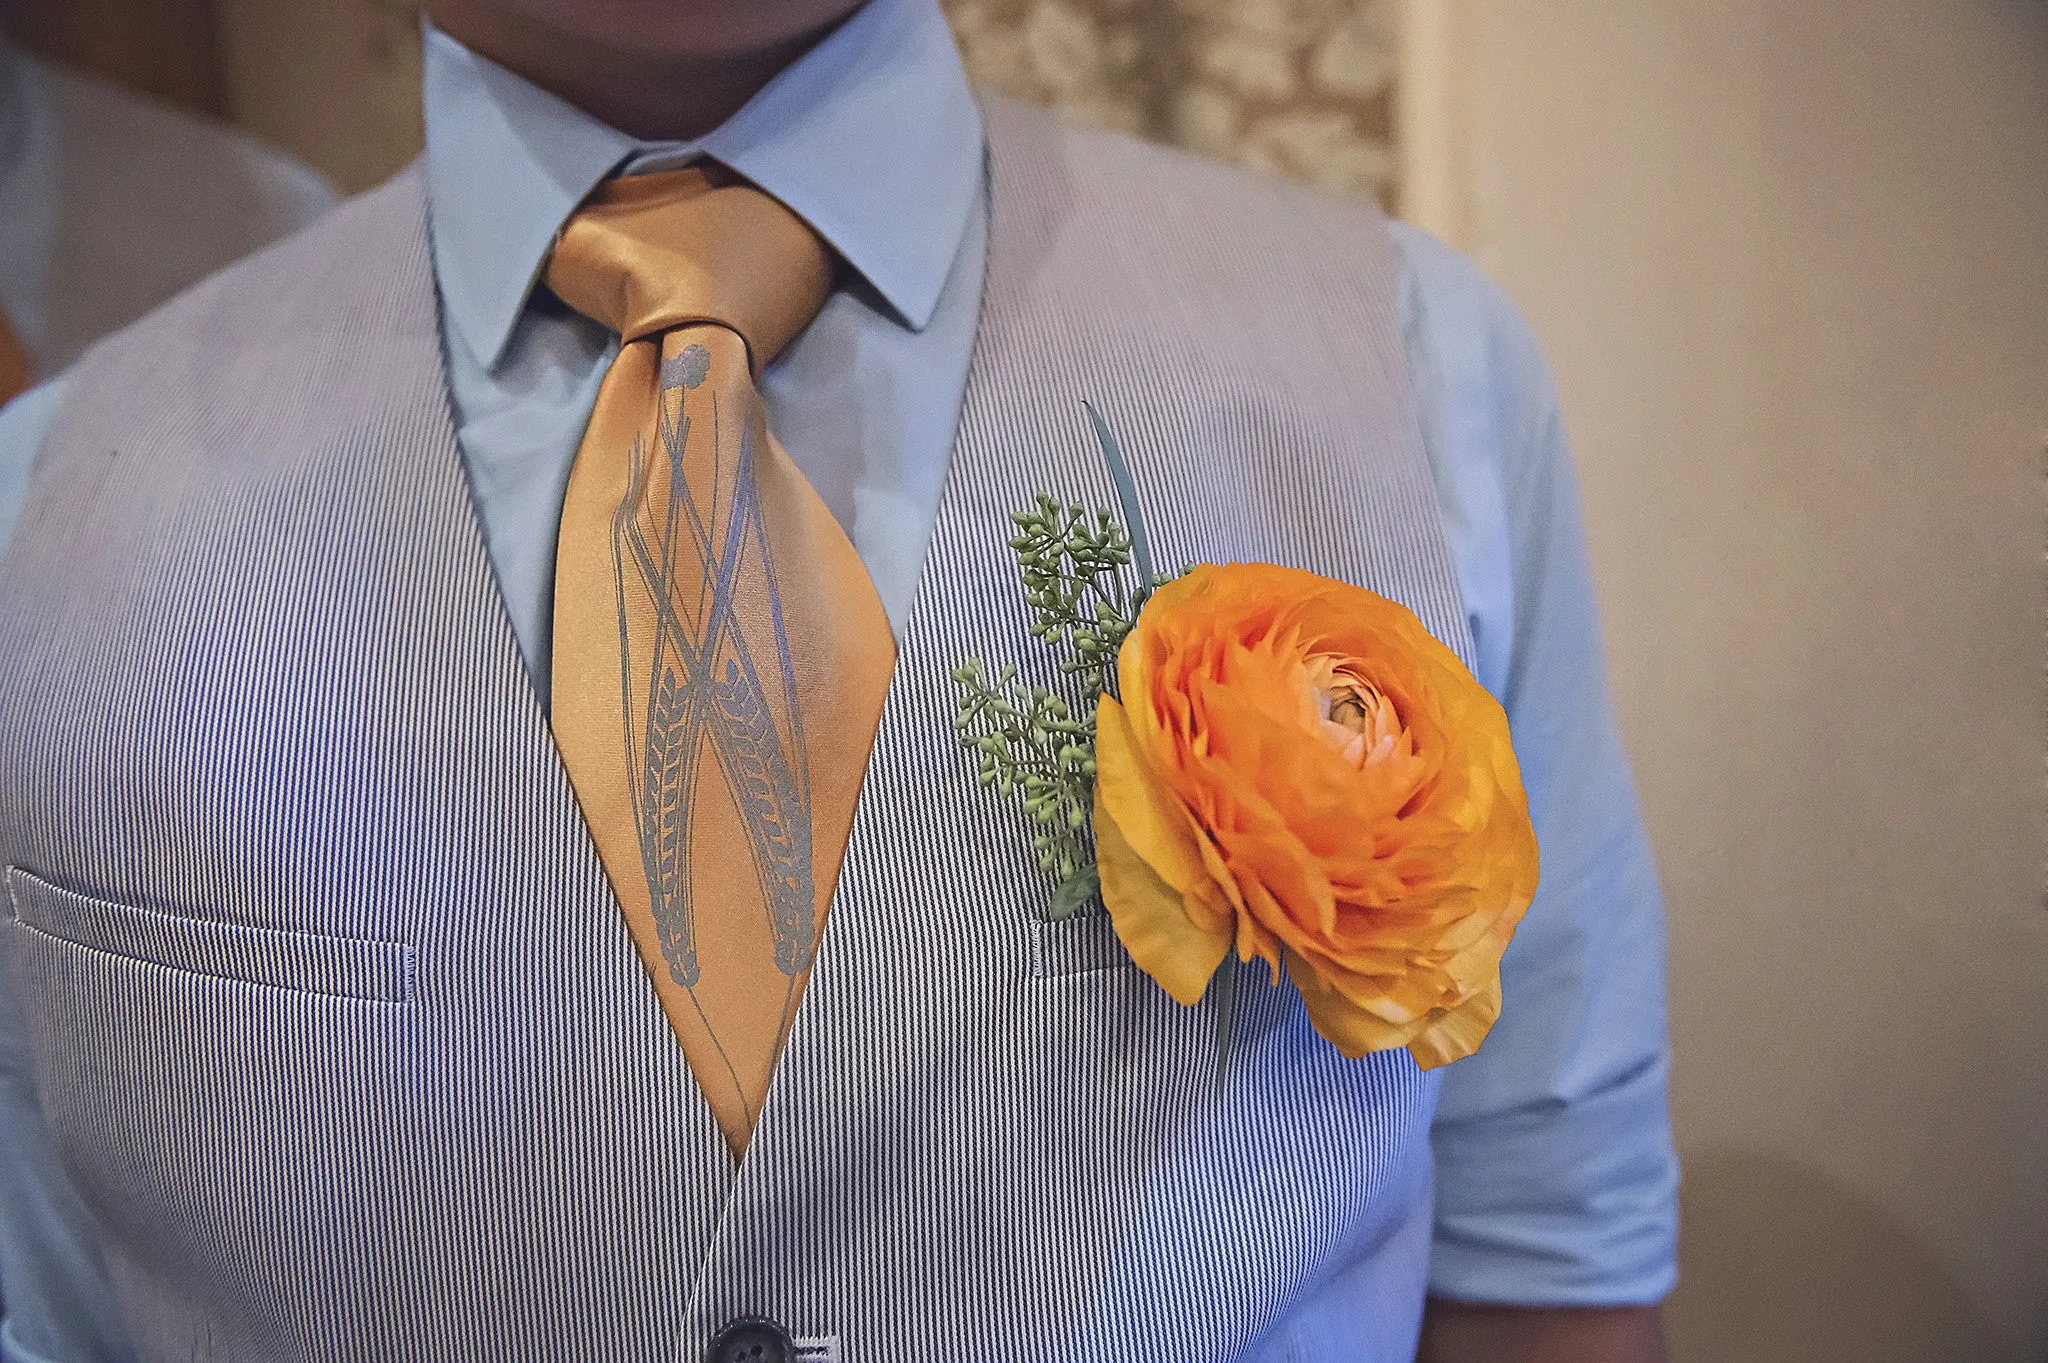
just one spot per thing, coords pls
(682, 29)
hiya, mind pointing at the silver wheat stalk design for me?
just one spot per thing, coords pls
(690, 694)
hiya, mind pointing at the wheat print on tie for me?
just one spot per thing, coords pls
(719, 653)
(706, 700)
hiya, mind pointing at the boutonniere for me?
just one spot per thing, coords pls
(1277, 766)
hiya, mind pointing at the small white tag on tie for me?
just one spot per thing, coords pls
(817, 1349)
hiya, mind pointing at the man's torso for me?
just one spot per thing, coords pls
(335, 1016)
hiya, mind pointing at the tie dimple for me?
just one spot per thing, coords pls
(653, 252)
(720, 655)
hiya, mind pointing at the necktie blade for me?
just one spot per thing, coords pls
(720, 660)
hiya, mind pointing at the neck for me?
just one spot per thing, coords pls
(648, 94)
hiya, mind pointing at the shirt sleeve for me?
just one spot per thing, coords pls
(55, 1298)
(1556, 1180)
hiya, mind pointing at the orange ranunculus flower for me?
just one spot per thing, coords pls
(1300, 770)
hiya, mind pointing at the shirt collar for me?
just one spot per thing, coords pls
(873, 137)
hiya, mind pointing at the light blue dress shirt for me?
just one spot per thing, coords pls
(1556, 1181)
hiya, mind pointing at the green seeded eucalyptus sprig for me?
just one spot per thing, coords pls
(1086, 577)
(1075, 582)
(1028, 743)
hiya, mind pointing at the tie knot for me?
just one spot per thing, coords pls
(652, 252)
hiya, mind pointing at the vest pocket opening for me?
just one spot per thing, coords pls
(1075, 946)
(309, 963)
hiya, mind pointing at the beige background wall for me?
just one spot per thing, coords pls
(1790, 262)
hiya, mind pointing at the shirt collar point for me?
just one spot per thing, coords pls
(481, 310)
(912, 304)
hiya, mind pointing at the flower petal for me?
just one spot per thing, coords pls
(1151, 917)
(1353, 1030)
(1457, 1032)
(1151, 820)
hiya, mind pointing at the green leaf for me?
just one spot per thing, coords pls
(1126, 493)
(1075, 893)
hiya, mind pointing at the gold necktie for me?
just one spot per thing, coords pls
(720, 655)
(15, 375)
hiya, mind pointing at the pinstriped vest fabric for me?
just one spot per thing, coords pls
(335, 1019)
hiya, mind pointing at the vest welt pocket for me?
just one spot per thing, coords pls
(311, 963)
(1075, 946)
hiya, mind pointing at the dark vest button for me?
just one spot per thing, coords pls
(752, 1340)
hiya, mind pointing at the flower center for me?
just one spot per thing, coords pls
(1358, 721)
(1344, 706)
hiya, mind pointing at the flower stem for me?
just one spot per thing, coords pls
(1226, 1005)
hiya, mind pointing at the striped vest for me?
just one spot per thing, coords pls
(336, 1020)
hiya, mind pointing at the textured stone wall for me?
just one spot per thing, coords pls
(1302, 88)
